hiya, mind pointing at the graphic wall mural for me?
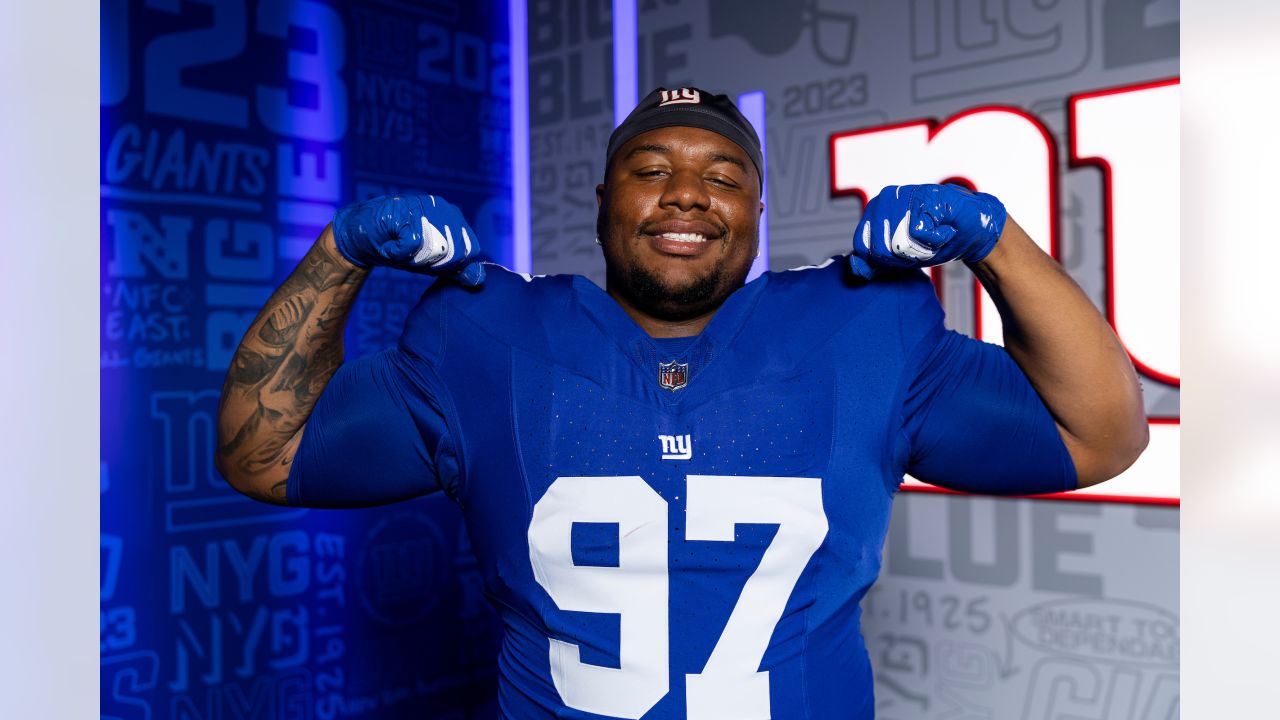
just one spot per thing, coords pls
(232, 129)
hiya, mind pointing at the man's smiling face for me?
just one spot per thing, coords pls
(679, 220)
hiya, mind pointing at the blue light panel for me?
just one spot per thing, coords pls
(752, 106)
(521, 216)
(626, 65)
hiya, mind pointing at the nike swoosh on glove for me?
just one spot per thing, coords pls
(917, 226)
(419, 233)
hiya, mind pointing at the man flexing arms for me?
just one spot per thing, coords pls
(678, 488)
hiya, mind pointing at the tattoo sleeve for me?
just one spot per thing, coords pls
(284, 361)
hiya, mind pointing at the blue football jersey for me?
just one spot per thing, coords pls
(679, 529)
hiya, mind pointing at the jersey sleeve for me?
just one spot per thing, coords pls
(973, 422)
(377, 435)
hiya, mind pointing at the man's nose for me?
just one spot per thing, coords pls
(686, 191)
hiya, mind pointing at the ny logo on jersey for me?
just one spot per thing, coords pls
(683, 95)
(673, 375)
(676, 447)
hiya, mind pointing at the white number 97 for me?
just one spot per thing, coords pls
(731, 684)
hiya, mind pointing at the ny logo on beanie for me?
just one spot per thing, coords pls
(683, 95)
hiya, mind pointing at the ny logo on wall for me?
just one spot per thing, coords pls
(1131, 134)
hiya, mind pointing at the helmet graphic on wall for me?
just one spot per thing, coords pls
(775, 28)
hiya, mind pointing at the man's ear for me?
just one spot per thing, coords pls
(599, 194)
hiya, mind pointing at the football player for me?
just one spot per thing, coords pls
(678, 487)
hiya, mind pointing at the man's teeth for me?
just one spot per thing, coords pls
(685, 237)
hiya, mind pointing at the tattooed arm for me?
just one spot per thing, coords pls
(283, 363)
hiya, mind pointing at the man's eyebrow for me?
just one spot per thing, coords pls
(721, 157)
(642, 149)
(664, 150)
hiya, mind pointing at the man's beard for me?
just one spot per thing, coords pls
(657, 298)
(649, 294)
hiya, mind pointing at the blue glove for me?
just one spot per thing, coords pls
(916, 226)
(419, 233)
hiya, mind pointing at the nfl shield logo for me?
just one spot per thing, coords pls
(673, 375)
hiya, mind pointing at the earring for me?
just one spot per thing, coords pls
(598, 241)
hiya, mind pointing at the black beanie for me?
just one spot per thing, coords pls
(690, 107)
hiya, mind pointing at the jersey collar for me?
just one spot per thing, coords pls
(715, 340)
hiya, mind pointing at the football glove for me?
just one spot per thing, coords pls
(916, 226)
(419, 233)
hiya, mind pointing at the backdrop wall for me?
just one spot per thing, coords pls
(986, 608)
(232, 129)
